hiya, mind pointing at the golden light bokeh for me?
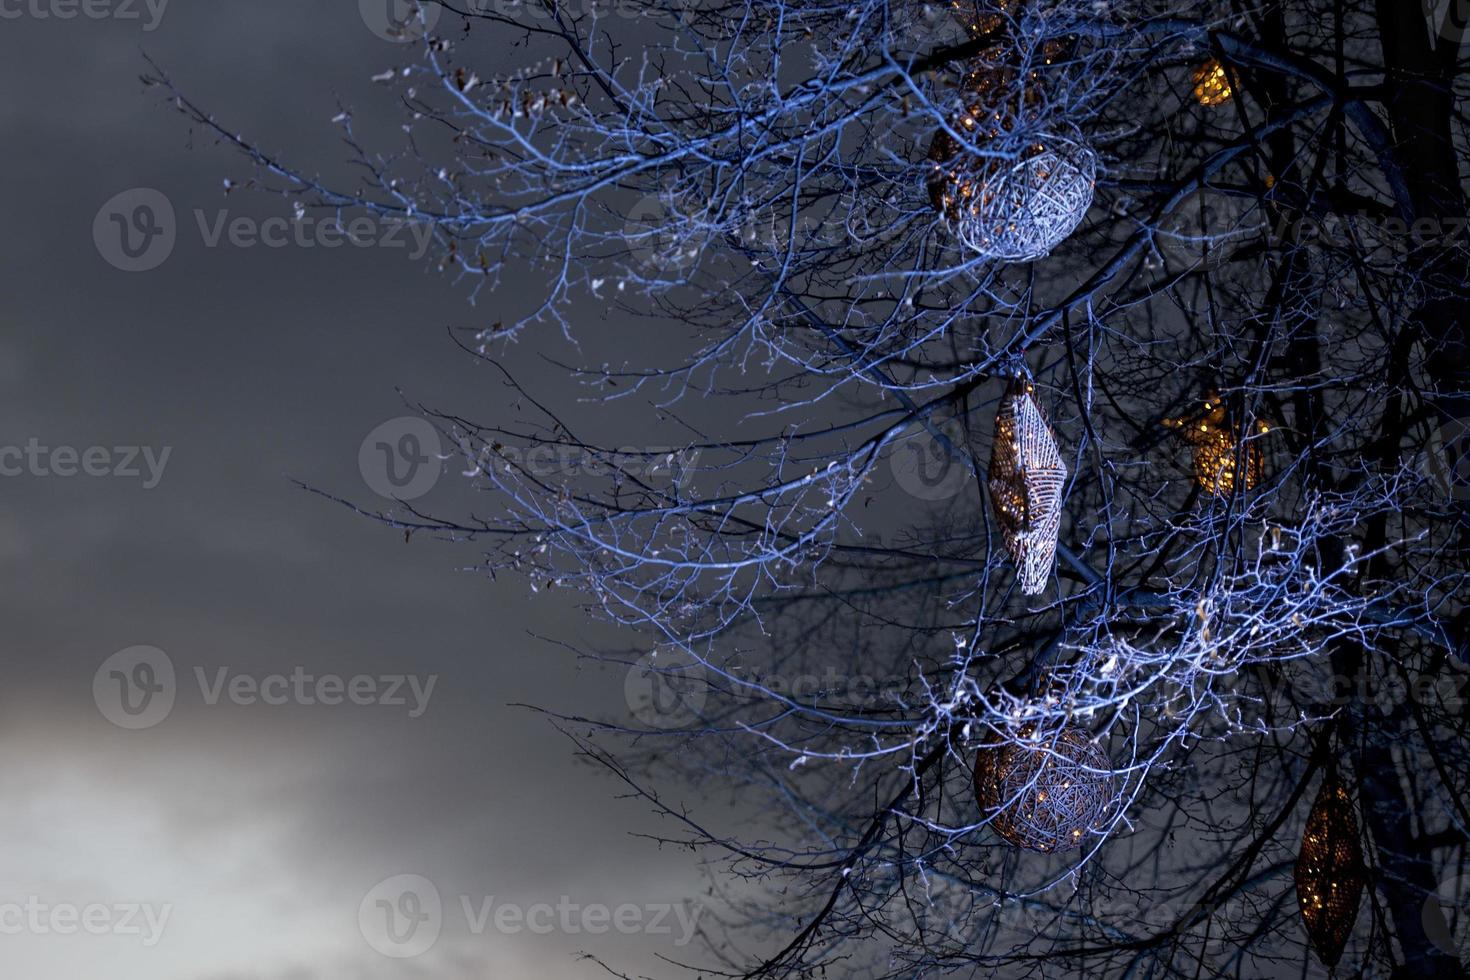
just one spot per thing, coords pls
(1212, 84)
(1220, 451)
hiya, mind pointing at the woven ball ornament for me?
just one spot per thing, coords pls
(1030, 188)
(1025, 482)
(1018, 210)
(1329, 872)
(1046, 792)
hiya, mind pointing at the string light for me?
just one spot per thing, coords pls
(1031, 188)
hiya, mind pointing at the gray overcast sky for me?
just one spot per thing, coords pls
(259, 830)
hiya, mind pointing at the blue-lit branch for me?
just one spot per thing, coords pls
(1261, 564)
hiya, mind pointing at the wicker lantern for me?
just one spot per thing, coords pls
(1329, 872)
(1025, 481)
(1211, 84)
(1046, 793)
(1218, 449)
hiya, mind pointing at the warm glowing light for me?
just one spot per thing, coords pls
(1047, 796)
(1029, 193)
(1212, 84)
(1219, 451)
(1329, 871)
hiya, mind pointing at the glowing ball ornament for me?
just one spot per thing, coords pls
(1020, 203)
(1222, 459)
(1010, 186)
(1044, 792)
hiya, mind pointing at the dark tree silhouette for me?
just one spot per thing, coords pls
(1220, 247)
